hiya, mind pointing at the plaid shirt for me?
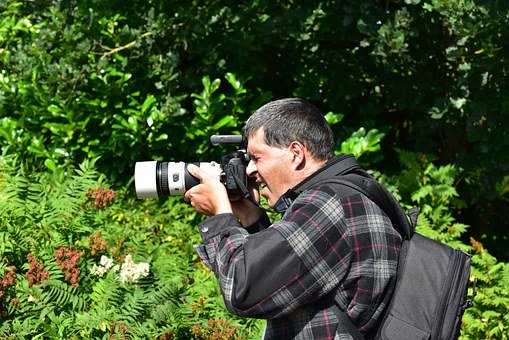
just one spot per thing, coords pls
(327, 254)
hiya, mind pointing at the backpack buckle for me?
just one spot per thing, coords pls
(413, 214)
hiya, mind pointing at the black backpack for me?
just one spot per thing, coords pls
(430, 295)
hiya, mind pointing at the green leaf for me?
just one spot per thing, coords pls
(147, 104)
(237, 85)
(361, 142)
(55, 110)
(162, 137)
(504, 186)
(333, 118)
(214, 86)
(225, 121)
(458, 102)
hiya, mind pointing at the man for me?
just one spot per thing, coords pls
(329, 253)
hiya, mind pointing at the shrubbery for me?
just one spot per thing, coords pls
(414, 89)
(82, 261)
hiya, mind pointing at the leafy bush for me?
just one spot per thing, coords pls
(118, 82)
(79, 260)
(78, 99)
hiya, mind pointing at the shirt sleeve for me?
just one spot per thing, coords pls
(273, 272)
(262, 224)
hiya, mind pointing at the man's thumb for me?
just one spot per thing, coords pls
(195, 171)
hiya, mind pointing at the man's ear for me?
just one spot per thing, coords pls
(299, 153)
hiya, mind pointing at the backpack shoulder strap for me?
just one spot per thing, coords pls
(339, 166)
(349, 326)
(346, 172)
(381, 197)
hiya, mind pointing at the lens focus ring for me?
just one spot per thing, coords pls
(163, 188)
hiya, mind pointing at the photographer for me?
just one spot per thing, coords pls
(329, 253)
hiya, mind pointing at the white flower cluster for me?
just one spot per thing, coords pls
(104, 265)
(130, 271)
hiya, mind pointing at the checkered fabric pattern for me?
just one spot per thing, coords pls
(327, 254)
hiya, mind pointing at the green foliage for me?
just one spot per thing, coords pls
(361, 142)
(42, 212)
(79, 99)
(215, 112)
(121, 81)
(101, 85)
(333, 118)
(488, 319)
(435, 195)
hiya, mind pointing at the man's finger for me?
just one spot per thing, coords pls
(188, 196)
(195, 171)
(255, 194)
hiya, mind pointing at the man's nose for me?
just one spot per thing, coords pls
(251, 168)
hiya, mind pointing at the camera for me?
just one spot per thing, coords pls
(159, 179)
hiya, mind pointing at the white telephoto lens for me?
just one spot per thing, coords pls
(145, 179)
(212, 168)
(176, 178)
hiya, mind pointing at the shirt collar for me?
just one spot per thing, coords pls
(286, 200)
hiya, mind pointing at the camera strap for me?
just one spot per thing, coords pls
(245, 191)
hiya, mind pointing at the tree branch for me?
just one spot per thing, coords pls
(124, 47)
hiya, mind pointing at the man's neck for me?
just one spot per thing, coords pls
(285, 200)
(311, 168)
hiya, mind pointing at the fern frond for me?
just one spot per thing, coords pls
(45, 254)
(63, 325)
(7, 243)
(24, 329)
(166, 313)
(5, 328)
(106, 292)
(60, 294)
(142, 330)
(163, 293)
(97, 319)
(146, 282)
(13, 187)
(134, 306)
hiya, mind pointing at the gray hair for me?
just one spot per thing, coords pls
(293, 119)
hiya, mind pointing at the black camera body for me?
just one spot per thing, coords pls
(234, 175)
(157, 179)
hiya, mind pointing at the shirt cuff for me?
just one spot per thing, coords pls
(214, 225)
(201, 250)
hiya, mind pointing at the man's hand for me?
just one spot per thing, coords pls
(247, 211)
(209, 197)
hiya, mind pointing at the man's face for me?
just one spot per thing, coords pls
(269, 166)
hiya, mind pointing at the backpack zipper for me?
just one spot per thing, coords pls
(455, 262)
